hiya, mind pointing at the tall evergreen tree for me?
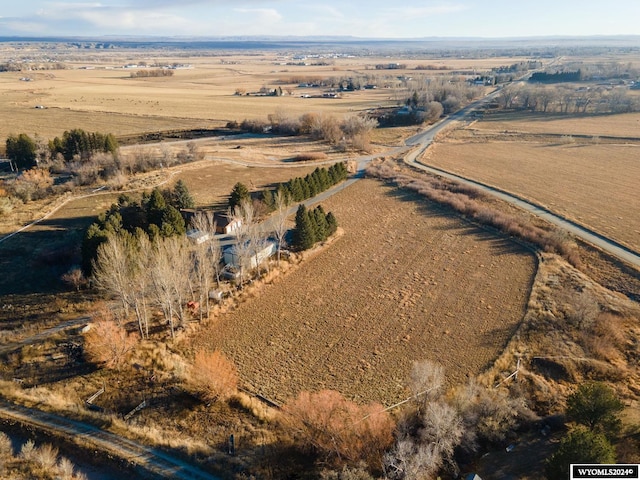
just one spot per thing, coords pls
(320, 222)
(156, 206)
(304, 235)
(181, 198)
(172, 222)
(239, 194)
(111, 144)
(22, 150)
(268, 199)
(579, 446)
(332, 223)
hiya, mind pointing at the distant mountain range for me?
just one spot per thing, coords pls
(269, 42)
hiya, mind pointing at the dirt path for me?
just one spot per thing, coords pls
(8, 347)
(146, 461)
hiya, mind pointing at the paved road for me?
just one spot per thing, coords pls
(150, 462)
(422, 141)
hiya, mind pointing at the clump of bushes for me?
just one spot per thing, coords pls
(309, 156)
(35, 462)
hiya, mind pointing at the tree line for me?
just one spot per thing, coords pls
(294, 190)
(556, 77)
(352, 132)
(26, 152)
(566, 99)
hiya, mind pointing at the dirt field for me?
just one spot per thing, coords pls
(593, 183)
(404, 283)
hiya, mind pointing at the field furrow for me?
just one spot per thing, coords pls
(405, 282)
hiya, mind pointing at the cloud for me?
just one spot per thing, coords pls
(270, 15)
(413, 12)
(12, 25)
(326, 11)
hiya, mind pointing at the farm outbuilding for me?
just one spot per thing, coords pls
(226, 224)
(232, 258)
(197, 237)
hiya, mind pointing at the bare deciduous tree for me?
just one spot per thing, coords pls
(112, 269)
(170, 267)
(121, 269)
(243, 246)
(425, 382)
(442, 428)
(280, 221)
(410, 460)
(207, 257)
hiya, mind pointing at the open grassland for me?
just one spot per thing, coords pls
(211, 181)
(620, 125)
(104, 97)
(198, 97)
(595, 184)
(405, 282)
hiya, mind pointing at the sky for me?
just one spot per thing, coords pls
(363, 19)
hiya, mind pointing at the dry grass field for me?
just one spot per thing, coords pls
(594, 183)
(105, 97)
(620, 125)
(405, 282)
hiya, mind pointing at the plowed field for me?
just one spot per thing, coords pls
(405, 282)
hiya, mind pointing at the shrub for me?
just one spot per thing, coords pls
(339, 430)
(46, 457)
(303, 157)
(6, 449)
(108, 343)
(213, 376)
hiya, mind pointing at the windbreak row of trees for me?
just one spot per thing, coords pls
(295, 190)
(321, 179)
(556, 77)
(77, 143)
